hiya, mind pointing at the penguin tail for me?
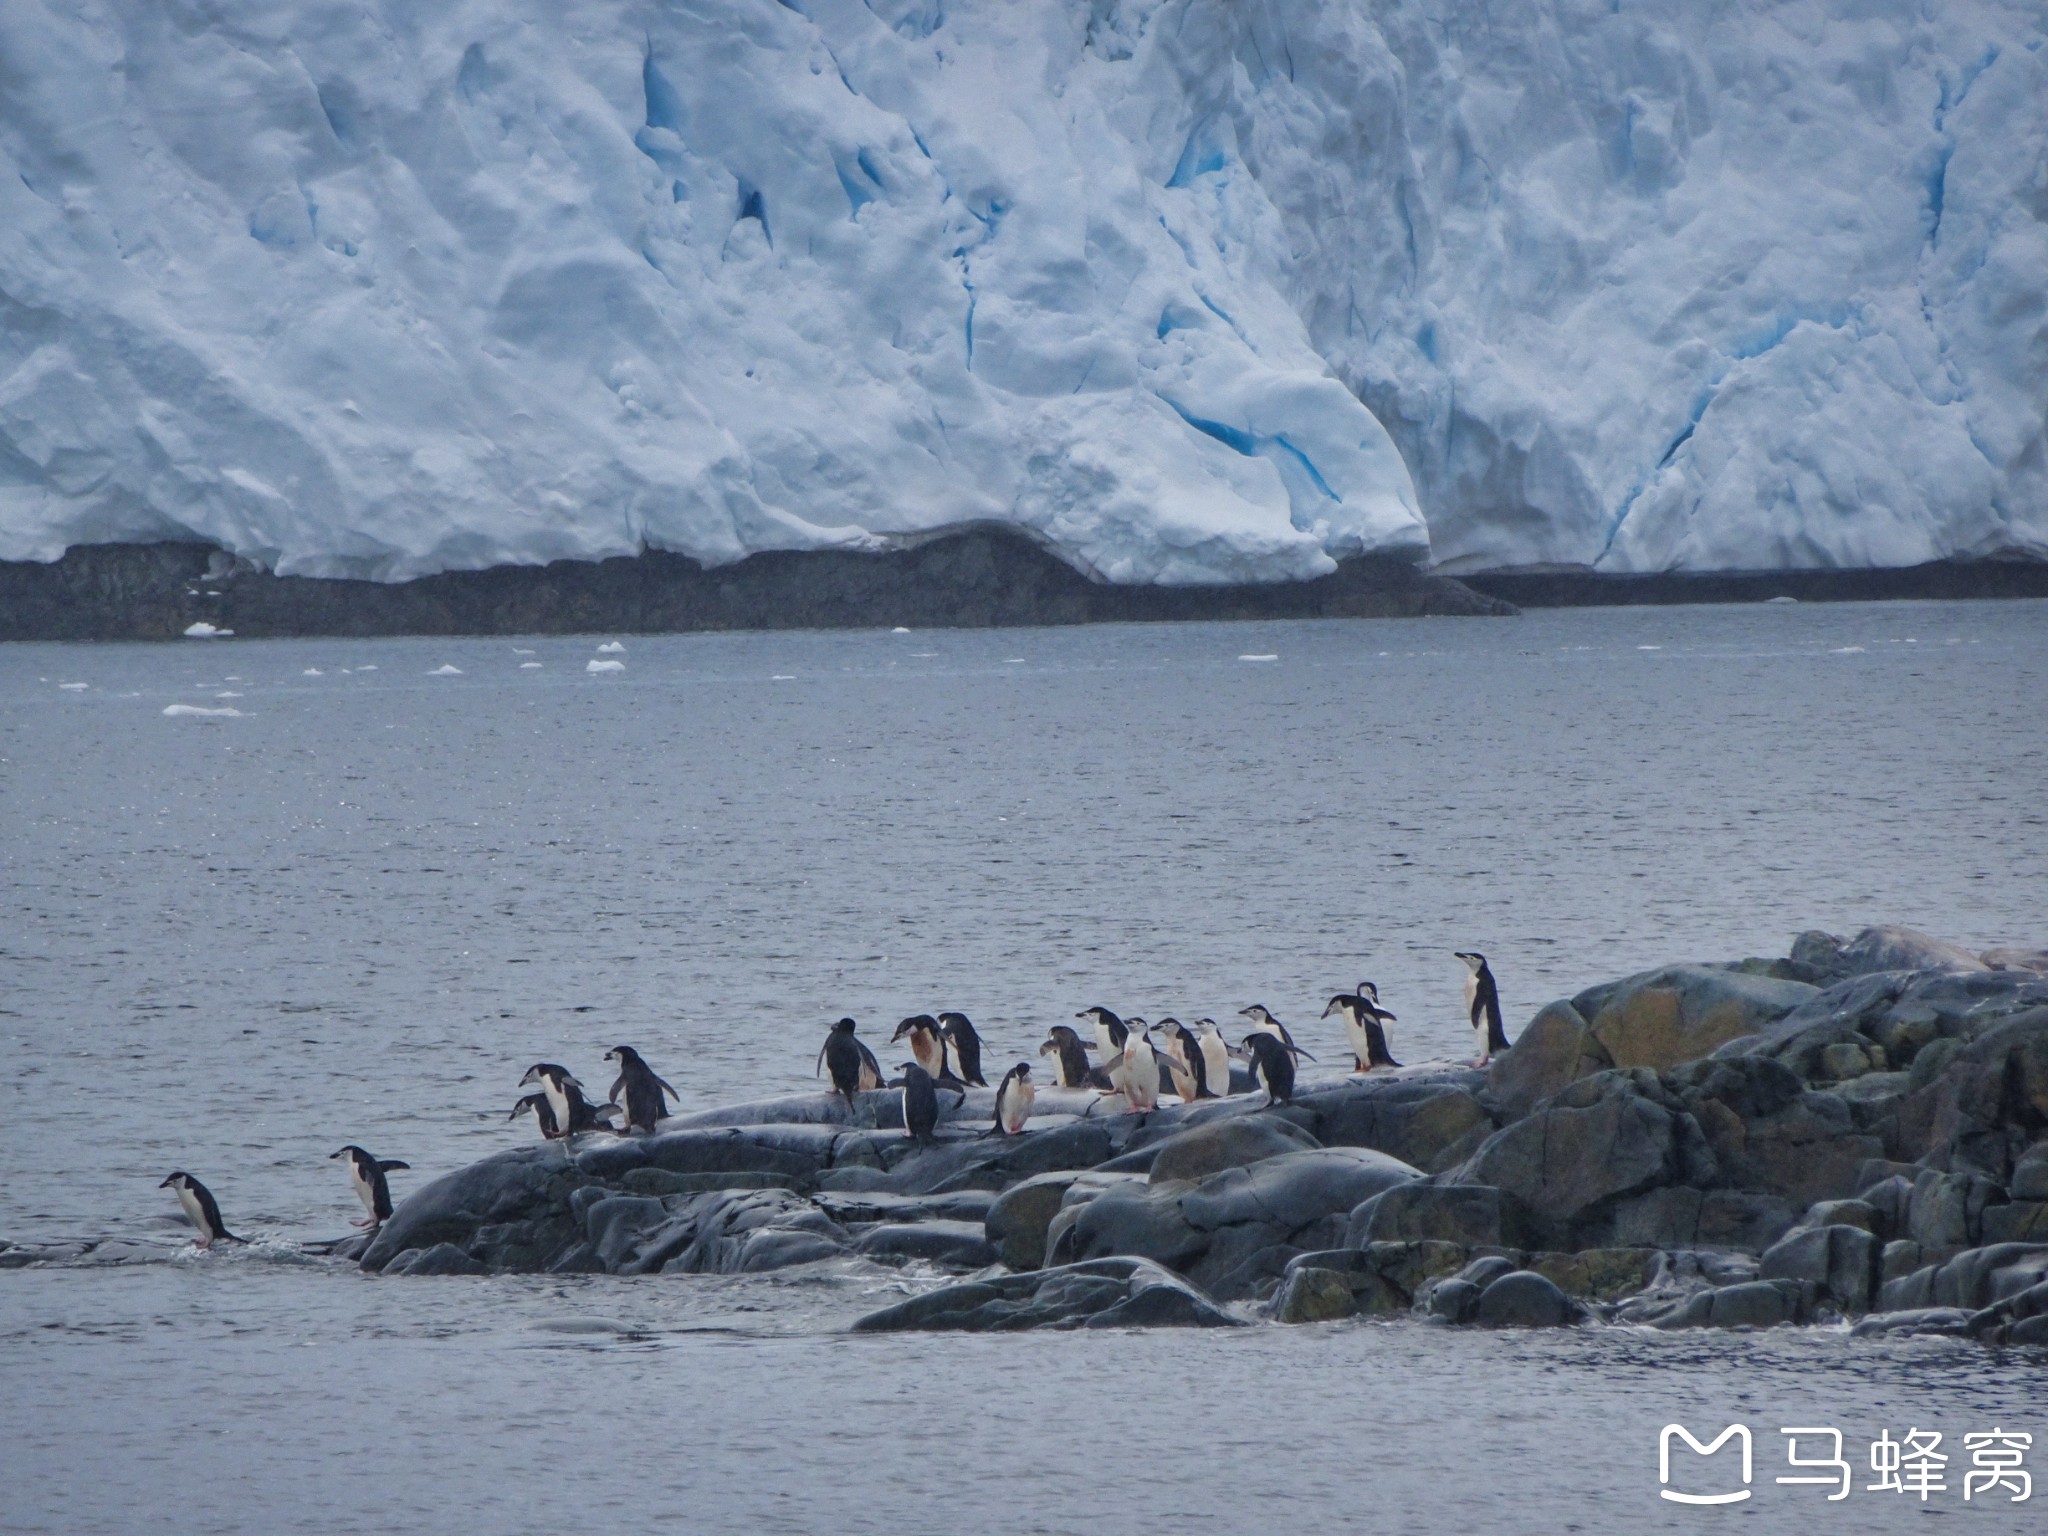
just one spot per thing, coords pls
(230, 1237)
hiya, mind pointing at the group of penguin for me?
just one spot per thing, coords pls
(946, 1056)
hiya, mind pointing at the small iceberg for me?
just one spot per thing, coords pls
(611, 648)
(444, 670)
(312, 672)
(204, 631)
(1846, 650)
(226, 711)
(900, 630)
(604, 666)
(529, 666)
(1273, 656)
(75, 687)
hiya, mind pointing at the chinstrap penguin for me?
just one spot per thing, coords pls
(1272, 1066)
(367, 1174)
(1482, 1003)
(201, 1209)
(1014, 1097)
(958, 1032)
(643, 1103)
(921, 1103)
(1266, 1023)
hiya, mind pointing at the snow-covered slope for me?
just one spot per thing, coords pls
(380, 290)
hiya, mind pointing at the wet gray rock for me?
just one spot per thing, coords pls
(1883, 948)
(1975, 1278)
(1752, 1304)
(1841, 1262)
(1475, 1215)
(948, 1244)
(1660, 1019)
(1018, 1222)
(1453, 1301)
(1429, 1120)
(441, 1259)
(1947, 1322)
(1523, 1299)
(1102, 1293)
(1384, 1279)
(1557, 1048)
(1680, 1216)
(1310, 1294)
(1209, 1148)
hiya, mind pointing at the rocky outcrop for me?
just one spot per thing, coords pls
(1696, 1146)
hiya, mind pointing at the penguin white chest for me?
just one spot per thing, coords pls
(365, 1192)
(1361, 1047)
(1017, 1106)
(195, 1213)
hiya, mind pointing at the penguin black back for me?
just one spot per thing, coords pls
(642, 1090)
(367, 1173)
(959, 1032)
(841, 1056)
(1065, 1047)
(1272, 1065)
(201, 1209)
(920, 1103)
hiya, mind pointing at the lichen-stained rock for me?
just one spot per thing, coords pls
(1886, 947)
(1556, 1048)
(1682, 1012)
(1101, 1293)
(1751, 1304)
(1770, 1133)
(1201, 1150)
(1842, 1262)
(1018, 1221)
(1525, 1299)
(1311, 1295)
(1604, 1137)
(1429, 1120)
(1988, 1105)
(1475, 1215)
(1680, 1216)
(948, 1244)
(1975, 1278)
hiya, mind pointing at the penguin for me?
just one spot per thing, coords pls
(201, 1210)
(367, 1174)
(1272, 1066)
(1376, 1020)
(1362, 1023)
(1014, 1097)
(587, 1116)
(926, 1044)
(1215, 1057)
(847, 1059)
(1175, 1042)
(1070, 1059)
(566, 1102)
(1109, 1042)
(1141, 1068)
(643, 1102)
(1264, 1021)
(1187, 1046)
(958, 1031)
(920, 1103)
(1482, 1002)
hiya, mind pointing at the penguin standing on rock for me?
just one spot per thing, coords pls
(1215, 1057)
(567, 1110)
(643, 1101)
(1272, 1066)
(920, 1104)
(958, 1032)
(1070, 1059)
(1014, 1097)
(1482, 1002)
(1184, 1061)
(201, 1209)
(1141, 1068)
(851, 1064)
(367, 1174)
(1363, 1023)
(1266, 1023)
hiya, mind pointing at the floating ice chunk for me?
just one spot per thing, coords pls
(783, 677)
(75, 687)
(522, 650)
(611, 648)
(230, 694)
(1649, 647)
(205, 631)
(1011, 661)
(899, 630)
(370, 668)
(312, 672)
(1269, 656)
(604, 666)
(1781, 598)
(529, 666)
(1846, 650)
(224, 712)
(444, 670)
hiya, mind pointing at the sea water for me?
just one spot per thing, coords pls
(258, 899)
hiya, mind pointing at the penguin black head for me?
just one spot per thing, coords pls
(1369, 992)
(178, 1180)
(1098, 1015)
(914, 1023)
(1022, 1071)
(1256, 1013)
(624, 1055)
(353, 1153)
(1058, 1039)
(844, 1027)
(542, 1070)
(1471, 957)
(912, 1071)
(1340, 1003)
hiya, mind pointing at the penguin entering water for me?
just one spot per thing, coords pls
(201, 1209)
(848, 1061)
(1014, 1097)
(1070, 1059)
(926, 1043)
(1272, 1066)
(1363, 1023)
(958, 1031)
(1215, 1057)
(1110, 1032)
(643, 1102)
(920, 1103)
(1265, 1022)
(367, 1174)
(1482, 1002)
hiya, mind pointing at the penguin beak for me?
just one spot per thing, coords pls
(167, 1183)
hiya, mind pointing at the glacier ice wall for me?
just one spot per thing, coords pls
(386, 289)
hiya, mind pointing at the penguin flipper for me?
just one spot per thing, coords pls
(613, 1096)
(670, 1091)
(391, 1165)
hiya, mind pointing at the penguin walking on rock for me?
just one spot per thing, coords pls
(1272, 1066)
(1014, 1097)
(568, 1109)
(1265, 1022)
(958, 1032)
(1109, 1042)
(850, 1063)
(367, 1174)
(927, 1044)
(1364, 1022)
(1070, 1060)
(643, 1102)
(920, 1104)
(201, 1209)
(1482, 1003)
